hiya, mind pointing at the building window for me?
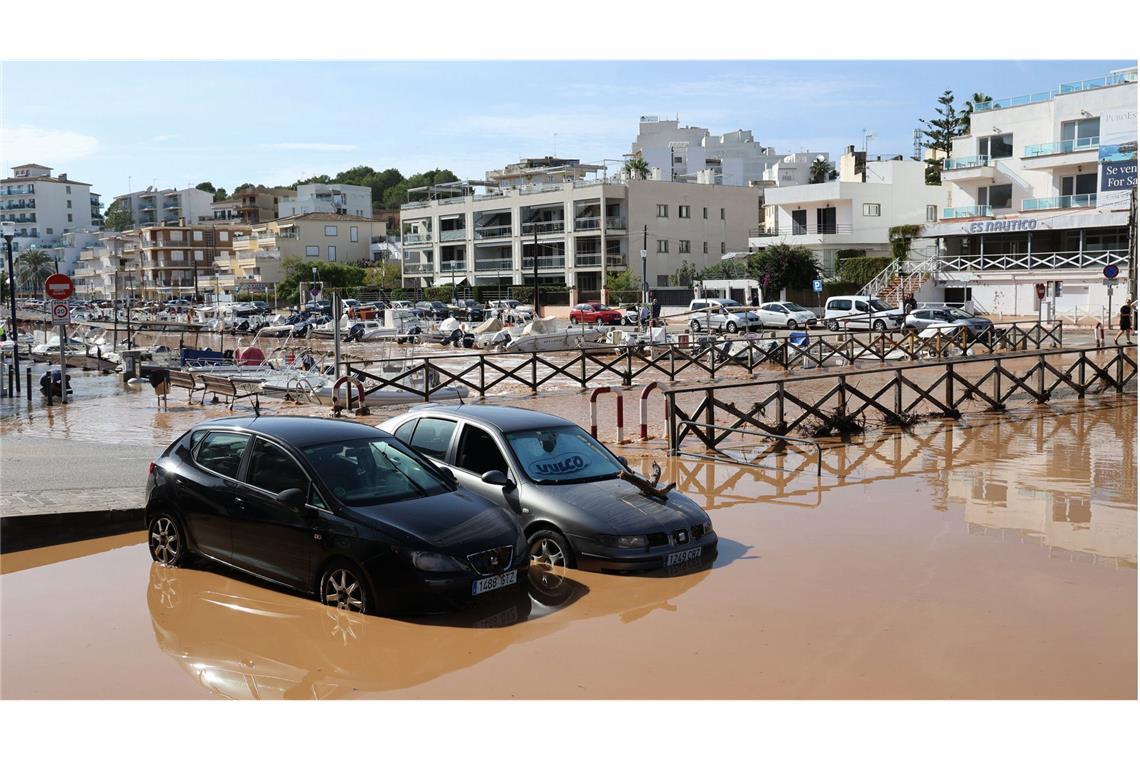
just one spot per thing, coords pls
(663, 246)
(199, 255)
(871, 209)
(1084, 131)
(332, 253)
(197, 234)
(69, 218)
(354, 234)
(705, 212)
(330, 230)
(49, 231)
(995, 196)
(996, 146)
(69, 188)
(312, 250)
(662, 280)
(722, 214)
(682, 246)
(682, 212)
(662, 211)
(722, 249)
(176, 255)
(223, 236)
(176, 235)
(931, 213)
(1078, 184)
(69, 202)
(705, 247)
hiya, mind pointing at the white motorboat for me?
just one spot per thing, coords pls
(654, 342)
(542, 335)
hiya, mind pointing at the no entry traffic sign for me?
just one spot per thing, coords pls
(59, 287)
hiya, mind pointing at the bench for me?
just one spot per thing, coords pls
(224, 386)
(189, 381)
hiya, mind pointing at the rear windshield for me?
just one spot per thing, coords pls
(366, 472)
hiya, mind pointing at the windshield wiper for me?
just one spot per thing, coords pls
(422, 491)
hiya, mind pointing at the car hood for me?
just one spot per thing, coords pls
(620, 508)
(458, 522)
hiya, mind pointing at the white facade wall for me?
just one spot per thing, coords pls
(153, 206)
(43, 208)
(327, 199)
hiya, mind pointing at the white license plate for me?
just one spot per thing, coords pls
(495, 581)
(677, 558)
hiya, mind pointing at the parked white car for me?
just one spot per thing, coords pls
(861, 313)
(721, 314)
(785, 314)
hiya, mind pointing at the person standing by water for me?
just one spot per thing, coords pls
(655, 311)
(1127, 312)
(909, 304)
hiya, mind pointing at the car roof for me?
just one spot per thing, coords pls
(505, 418)
(298, 430)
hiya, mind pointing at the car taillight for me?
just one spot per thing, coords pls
(150, 469)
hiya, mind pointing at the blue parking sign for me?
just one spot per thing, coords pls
(817, 286)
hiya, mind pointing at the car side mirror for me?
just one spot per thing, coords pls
(449, 476)
(294, 498)
(497, 478)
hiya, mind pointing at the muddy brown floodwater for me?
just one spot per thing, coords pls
(992, 557)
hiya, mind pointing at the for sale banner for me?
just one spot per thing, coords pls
(1117, 157)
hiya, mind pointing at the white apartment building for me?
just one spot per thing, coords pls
(44, 208)
(852, 213)
(152, 207)
(583, 227)
(1038, 192)
(692, 154)
(327, 199)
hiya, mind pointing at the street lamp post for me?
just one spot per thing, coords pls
(9, 232)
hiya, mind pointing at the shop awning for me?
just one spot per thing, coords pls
(446, 281)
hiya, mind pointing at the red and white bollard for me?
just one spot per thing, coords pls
(1098, 335)
(594, 410)
(643, 412)
(620, 419)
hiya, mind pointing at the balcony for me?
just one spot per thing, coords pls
(492, 265)
(545, 262)
(487, 233)
(968, 168)
(587, 260)
(418, 267)
(966, 212)
(422, 238)
(1060, 155)
(1087, 200)
(544, 228)
(453, 265)
(1064, 146)
(1047, 260)
(17, 190)
(615, 223)
(1066, 88)
(970, 162)
(448, 235)
(615, 260)
(587, 223)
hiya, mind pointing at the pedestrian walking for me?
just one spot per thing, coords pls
(1126, 313)
(655, 309)
(909, 304)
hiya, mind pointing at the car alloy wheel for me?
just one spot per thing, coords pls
(792, 324)
(732, 327)
(167, 546)
(695, 326)
(549, 549)
(833, 325)
(341, 588)
(880, 324)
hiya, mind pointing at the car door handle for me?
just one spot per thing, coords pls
(239, 502)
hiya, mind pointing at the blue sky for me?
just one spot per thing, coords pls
(176, 123)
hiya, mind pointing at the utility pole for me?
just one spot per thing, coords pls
(536, 296)
(1132, 250)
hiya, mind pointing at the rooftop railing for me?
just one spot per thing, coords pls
(1064, 146)
(1086, 200)
(1122, 77)
(967, 162)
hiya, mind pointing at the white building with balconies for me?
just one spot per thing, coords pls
(852, 214)
(153, 207)
(1038, 192)
(354, 200)
(43, 208)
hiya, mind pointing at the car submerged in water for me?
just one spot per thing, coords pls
(579, 505)
(331, 508)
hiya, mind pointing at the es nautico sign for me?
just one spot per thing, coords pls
(1011, 225)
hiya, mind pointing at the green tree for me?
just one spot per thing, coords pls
(332, 274)
(118, 217)
(971, 105)
(733, 269)
(206, 187)
(821, 170)
(220, 194)
(684, 276)
(861, 269)
(33, 267)
(940, 133)
(385, 274)
(397, 194)
(637, 167)
(622, 281)
(783, 266)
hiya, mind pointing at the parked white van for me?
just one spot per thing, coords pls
(861, 313)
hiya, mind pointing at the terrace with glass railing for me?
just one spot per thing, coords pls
(1065, 88)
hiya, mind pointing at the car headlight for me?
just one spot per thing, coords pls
(706, 528)
(433, 562)
(626, 542)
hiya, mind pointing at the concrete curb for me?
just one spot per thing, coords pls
(21, 532)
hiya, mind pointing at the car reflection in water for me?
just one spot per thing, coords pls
(244, 641)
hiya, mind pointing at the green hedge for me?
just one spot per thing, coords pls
(861, 269)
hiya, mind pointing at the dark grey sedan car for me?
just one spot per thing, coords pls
(578, 504)
(922, 318)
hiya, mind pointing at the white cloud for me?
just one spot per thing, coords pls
(27, 144)
(330, 147)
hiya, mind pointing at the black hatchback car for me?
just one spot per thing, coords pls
(330, 508)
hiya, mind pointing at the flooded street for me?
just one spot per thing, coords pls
(991, 557)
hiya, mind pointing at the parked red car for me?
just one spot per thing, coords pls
(595, 312)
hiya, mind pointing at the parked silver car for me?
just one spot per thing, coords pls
(578, 504)
(785, 314)
(721, 314)
(922, 318)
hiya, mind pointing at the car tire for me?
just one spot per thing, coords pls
(343, 586)
(573, 320)
(550, 548)
(695, 326)
(792, 324)
(832, 325)
(879, 325)
(166, 540)
(732, 327)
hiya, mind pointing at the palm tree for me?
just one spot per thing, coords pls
(34, 266)
(975, 99)
(821, 169)
(637, 167)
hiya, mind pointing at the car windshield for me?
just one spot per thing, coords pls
(365, 472)
(562, 455)
(728, 303)
(792, 306)
(959, 314)
(879, 305)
